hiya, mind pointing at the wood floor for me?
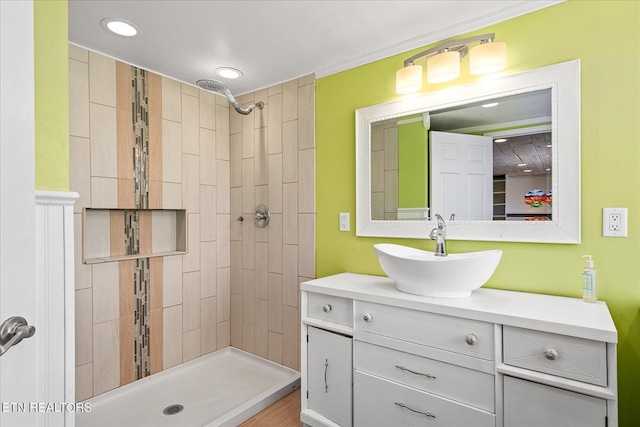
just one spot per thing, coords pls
(284, 413)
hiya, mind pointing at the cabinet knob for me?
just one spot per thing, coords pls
(550, 354)
(471, 339)
(326, 308)
(367, 317)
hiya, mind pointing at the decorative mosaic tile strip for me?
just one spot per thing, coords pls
(132, 232)
(141, 315)
(140, 120)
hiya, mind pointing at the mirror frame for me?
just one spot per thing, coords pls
(564, 81)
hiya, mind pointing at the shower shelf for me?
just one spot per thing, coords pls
(110, 235)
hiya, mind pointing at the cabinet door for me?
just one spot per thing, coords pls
(531, 404)
(329, 367)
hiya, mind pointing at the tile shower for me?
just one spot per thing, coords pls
(145, 149)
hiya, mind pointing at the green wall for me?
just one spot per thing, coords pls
(605, 36)
(51, 46)
(412, 165)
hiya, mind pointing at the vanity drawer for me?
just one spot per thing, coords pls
(383, 403)
(464, 385)
(330, 309)
(470, 337)
(569, 357)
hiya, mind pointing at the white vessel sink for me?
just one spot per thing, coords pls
(422, 273)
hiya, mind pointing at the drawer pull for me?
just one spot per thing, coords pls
(326, 365)
(426, 414)
(326, 308)
(471, 339)
(402, 368)
(550, 354)
(367, 317)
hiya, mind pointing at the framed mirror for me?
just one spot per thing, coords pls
(498, 159)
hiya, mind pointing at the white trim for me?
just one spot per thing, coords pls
(45, 197)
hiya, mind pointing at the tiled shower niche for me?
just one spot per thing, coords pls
(120, 234)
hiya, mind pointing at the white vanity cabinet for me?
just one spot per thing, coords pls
(497, 358)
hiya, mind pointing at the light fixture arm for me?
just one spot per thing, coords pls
(459, 45)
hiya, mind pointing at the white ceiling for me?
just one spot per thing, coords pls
(276, 41)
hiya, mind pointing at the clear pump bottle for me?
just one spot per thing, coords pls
(589, 289)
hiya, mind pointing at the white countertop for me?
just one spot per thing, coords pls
(560, 315)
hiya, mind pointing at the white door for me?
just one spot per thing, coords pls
(461, 176)
(19, 374)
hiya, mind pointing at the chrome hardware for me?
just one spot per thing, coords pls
(439, 234)
(471, 339)
(326, 308)
(367, 317)
(240, 218)
(426, 414)
(402, 368)
(550, 354)
(261, 216)
(12, 331)
(326, 365)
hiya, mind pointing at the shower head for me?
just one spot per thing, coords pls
(222, 89)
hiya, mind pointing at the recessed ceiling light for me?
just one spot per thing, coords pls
(489, 105)
(500, 140)
(229, 73)
(548, 145)
(119, 27)
(521, 164)
(548, 169)
(527, 170)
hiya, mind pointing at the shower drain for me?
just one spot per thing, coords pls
(173, 409)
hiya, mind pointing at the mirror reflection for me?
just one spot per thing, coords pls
(482, 161)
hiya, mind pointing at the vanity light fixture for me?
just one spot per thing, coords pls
(443, 62)
(120, 27)
(229, 72)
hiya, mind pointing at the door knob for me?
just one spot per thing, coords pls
(12, 331)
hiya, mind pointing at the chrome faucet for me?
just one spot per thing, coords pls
(439, 234)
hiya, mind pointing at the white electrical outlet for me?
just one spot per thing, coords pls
(614, 222)
(344, 221)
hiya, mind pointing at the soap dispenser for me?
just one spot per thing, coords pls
(589, 289)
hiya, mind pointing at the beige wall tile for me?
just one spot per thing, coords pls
(235, 146)
(236, 212)
(154, 91)
(155, 148)
(248, 338)
(223, 284)
(248, 136)
(208, 325)
(306, 245)
(261, 197)
(191, 90)
(163, 230)
(261, 162)
(191, 301)
(275, 302)
(248, 244)
(191, 260)
(102, 79)
(306, 181)
(306, 116)
(117, 235)
(272, 90)
(236, 267)
(306, 80)
(97, 230)
(126, 290)
(172, 336)
(190, 345)
(262, 329)
(80, 171)
(290, 151)
(290, 337)
(156, 285)
(208, 270)
(222, 241)
(275, 347)
(236, 320)
(275, 244)
(172, 280)
(79, 99)
(171, 100)
(171, 195)
(127, 335)
(290, 213)
(190, 125)
(207, 110)
(171, 151)
(223, 190)
(191, 183)
(248, 172)
(208, 215)
(156, 335)
(126, 194)
(224, 334)
(106, 292)
(106, 356)
(275, 183)
(84, 326)
(274, 133)
(248, 297)
(222, 133)
(78, 53)
(84, 382)
(290, 101)
(235, 122)
(146, 231)
(207, 157)
(290, 289)
(83, 272)
(262, 270)
(104, 160)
